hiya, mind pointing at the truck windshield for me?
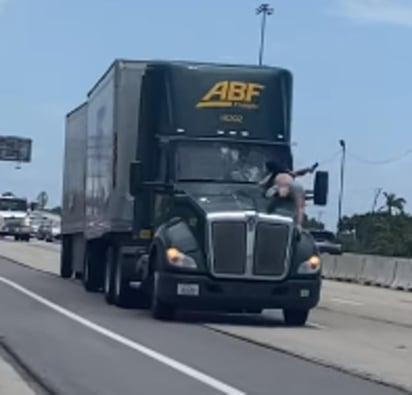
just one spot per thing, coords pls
(225, 162)
(13, 205)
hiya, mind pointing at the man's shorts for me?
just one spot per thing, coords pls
(297, 191)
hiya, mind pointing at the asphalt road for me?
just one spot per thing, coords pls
(77, 344)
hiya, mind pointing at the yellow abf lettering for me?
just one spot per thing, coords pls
(230, 94)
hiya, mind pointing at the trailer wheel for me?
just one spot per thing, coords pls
(295, 317)
(66, 260)
(92, 279)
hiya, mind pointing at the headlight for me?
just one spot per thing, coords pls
(26, 221)
(178, 259)
(311, 266)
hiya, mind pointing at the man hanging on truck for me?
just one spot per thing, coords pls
(281, 183)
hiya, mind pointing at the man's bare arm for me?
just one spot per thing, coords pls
(300, 172)
(304, 171)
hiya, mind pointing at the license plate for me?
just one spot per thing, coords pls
(188, 289)
(304, 293)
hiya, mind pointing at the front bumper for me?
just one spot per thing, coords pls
(216, 294)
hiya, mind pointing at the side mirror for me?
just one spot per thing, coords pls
(33, 206)
(136, 177)
(321, 188)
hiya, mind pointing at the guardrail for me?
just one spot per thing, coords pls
(395, 273)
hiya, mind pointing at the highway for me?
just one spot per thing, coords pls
(76, 344)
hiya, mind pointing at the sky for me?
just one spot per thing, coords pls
(351, 62)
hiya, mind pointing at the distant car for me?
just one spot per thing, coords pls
(48, 231)
(56, 231)
(44, 232)
(35, 223)
(326, 242)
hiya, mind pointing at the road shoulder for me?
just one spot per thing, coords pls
(11, 380)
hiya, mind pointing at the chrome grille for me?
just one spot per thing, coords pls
(270, 250)
(229, 242)
(249, 245)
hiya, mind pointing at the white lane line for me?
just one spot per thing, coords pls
(172, 363)
(346, 301)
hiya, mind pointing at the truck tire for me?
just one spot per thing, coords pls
(92, 276)
(66, 258)
(17, 238)
(122, 292)
(109, 274)
(295, 317)
(159, 309)
(162, 311)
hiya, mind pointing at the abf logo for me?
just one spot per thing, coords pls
(232, 94)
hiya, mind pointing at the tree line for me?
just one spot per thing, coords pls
(386, 231)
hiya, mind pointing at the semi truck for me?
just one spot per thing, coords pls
(161, 203)
(14, 217)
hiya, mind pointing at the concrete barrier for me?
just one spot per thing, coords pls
(403, 275)
(374, 270)
(349, 267)
(328, 266)
(379, 270)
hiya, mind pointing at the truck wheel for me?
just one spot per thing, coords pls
(142, 294)
(161, 310)
(17, 238)
(109, 275)
(92, 280)
(295, 317)
(66, 262)
(122, 293)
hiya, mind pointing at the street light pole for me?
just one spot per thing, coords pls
(265, 9)
(342, 177)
